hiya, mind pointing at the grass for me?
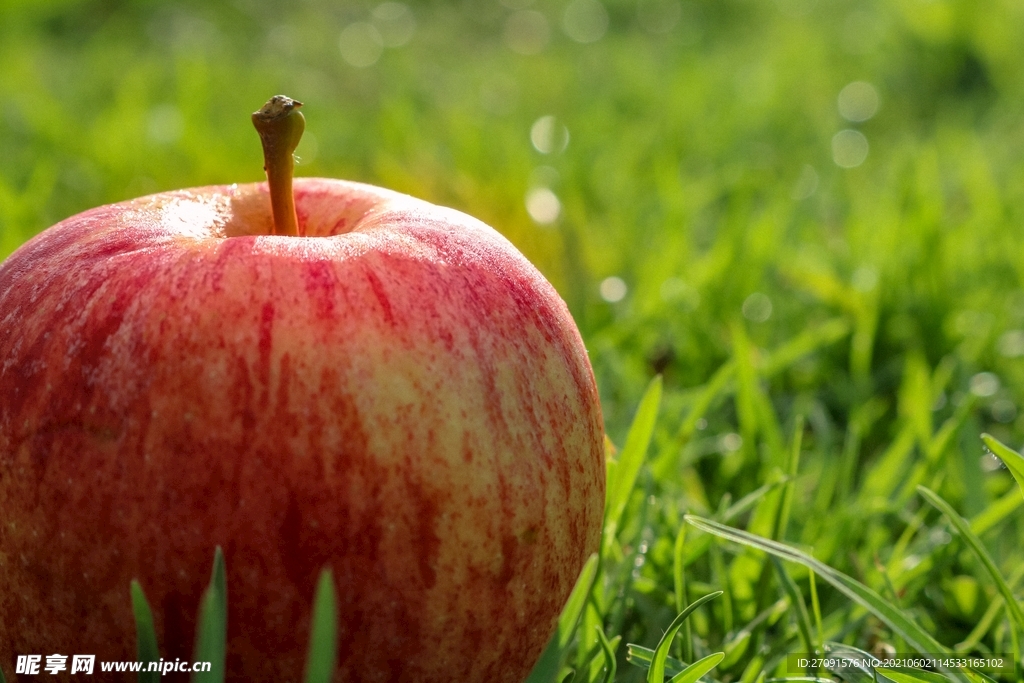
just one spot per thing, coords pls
(829, 338)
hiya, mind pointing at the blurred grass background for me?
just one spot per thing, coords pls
(824, 196)
(699, 166)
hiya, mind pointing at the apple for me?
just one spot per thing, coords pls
(369, 383)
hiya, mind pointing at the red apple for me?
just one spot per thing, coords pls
(398, 394)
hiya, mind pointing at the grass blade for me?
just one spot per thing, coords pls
(996, 512)
(323, 633)
(883, 478)
(577, 601)
(212, 630)
(803, 621)
(989, 618)
(693, 672)
(1013, 460)
(815, 606)
(786, 505)
(632, 458)
(753, 498)
(949, 428)
(547, 667)
(849, 663)
(700, 545)
(641, 656)
(911, 675)
(964, 529)
(656, 674)
(804, 344)
(679, 584)
(915, 636)
(609, 654)
(145, 634)
(715, 385)
(781, 358)
(678, 570)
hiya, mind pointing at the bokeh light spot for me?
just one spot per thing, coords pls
(543, 205)
(849, 148)
(858, 101)
(395, 23)
(613, 289)
(548, 135)
(731, 442)
(757, 307)
(361, 44)
(585, 21)
(1011, 344)
(984, 384)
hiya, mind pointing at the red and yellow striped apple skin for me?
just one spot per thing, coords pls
(398, 395)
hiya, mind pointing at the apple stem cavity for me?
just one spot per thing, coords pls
(280, 126)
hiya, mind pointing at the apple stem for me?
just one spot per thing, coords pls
(280, 125)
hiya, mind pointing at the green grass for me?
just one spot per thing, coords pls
(828, 339)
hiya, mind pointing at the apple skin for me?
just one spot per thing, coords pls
(400, 395)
